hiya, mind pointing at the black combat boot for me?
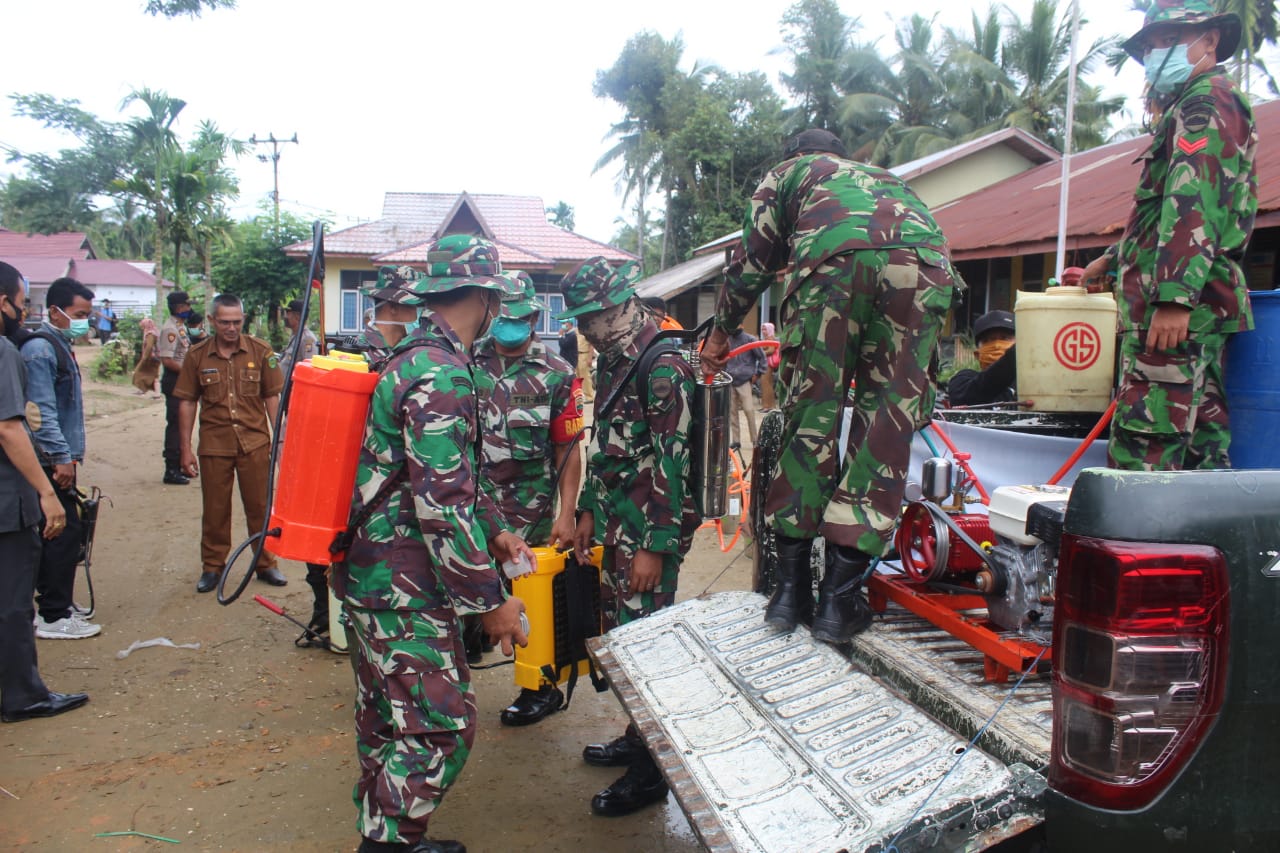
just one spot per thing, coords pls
(318, 581)
(792, 599)
(842, 609)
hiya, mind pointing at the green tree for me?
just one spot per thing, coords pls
(641, 81)
(154, 146)
(1036, 58)
(817, 34)
(561, 215)
(192, 8)
(58, 192)
(253, 265)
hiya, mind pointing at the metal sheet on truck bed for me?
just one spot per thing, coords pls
(774, 742)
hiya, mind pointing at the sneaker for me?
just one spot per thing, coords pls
(83, 612)
(72, 627)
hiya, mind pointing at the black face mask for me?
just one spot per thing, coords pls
(12, 325)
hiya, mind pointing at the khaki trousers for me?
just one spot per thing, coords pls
(217, 476)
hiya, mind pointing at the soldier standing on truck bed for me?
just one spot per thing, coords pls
(635, 499)
(1179, 283)
(530, 417)
(869, 284)
(421, 546)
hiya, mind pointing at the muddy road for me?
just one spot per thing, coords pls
(246, 743)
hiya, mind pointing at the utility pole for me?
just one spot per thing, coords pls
(274, 157)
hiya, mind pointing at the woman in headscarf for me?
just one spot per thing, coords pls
(767, 398)
(148, 368)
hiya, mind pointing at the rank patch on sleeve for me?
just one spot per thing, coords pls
(172, 337)
(661, 388)
(1189, 146)
(272, 362)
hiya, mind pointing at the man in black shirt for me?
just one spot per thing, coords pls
(26, 494)
(995, 382)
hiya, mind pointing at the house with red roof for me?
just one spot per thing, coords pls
(44, 258)
(410, 221)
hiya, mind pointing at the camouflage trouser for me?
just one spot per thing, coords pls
(872, 318)
(415, 718)
(1171, 412)
(617, 605)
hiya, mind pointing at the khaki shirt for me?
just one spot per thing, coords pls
(173, 342)
(309, 348)
(232, 392)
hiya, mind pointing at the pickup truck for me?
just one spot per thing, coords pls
(1149, 720)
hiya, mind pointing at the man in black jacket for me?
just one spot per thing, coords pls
(569, 343)
(995, 382)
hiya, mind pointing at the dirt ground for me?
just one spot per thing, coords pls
(246, 743)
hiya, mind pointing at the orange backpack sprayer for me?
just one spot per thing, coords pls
(328, 410)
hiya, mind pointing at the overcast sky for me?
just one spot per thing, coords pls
(488, 97)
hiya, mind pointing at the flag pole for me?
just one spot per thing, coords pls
(1065, 190)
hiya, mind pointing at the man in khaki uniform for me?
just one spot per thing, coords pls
(171, 349)
(237, 380)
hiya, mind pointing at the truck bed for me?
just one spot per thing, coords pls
(774, 742)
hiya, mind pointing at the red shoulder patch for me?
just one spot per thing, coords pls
(1186, 146)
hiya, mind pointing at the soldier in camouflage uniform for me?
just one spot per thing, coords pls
(1181, 290)
(530, 418)
(635, 499)
(420, 557)
(867, 286)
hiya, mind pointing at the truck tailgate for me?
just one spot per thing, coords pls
(774, 742)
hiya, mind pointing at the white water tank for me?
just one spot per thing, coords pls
(1066, 349)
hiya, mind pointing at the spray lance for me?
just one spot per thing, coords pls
(315, 277)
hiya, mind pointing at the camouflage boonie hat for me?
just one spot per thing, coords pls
(463, 260)
(595, 285)
(394, 285)
(1186, 13)
(517, 306)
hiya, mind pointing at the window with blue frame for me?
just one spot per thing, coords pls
(354, 304)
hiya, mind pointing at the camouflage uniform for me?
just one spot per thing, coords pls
(527, 407)
(636, 479)
(868, 285)
(1192, 215)
(419, 562)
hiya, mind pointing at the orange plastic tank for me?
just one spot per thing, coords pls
(328, 407)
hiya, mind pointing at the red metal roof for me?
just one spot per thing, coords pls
(37, 269)
(411, 220)
(1019, 215)
(68, 244)
(101, 273)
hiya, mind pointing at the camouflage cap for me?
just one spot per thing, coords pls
(394, 285)
(517, 306)
(595, 285)
(464, 260)
(1187, 13)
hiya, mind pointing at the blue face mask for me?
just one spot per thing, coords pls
(511, 333)
(78, 328)
(1167, 68)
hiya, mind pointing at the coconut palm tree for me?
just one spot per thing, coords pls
(1036, 58)
(153, 144)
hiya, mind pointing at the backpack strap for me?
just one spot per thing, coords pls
(64, 361)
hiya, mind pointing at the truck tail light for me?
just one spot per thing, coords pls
(1139, 665)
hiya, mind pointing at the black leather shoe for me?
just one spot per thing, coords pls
(427, 845)
(640, 786)
(57, 703)
(616, 753)
(531, 706)
(175, 477)
(208, 582)
(272, 576)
